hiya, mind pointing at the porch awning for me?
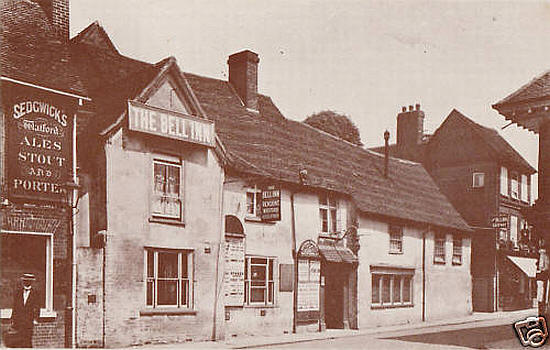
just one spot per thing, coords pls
(337, 254)
(527, 265)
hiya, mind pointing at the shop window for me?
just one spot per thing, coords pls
(26, 253)
(391, 289)
(328, 213)
(514, 186)
(504, 181)
(396, 239)
(457, 250)
(169, 278)
(253, 202)
(167, 189)
(524, 188)
(478, 180)
(439, 248)
(259, 280)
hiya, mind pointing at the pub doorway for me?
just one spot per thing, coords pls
(336, 280)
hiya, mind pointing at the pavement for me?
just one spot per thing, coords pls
(385, 337)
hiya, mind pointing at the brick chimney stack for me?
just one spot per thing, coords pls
(243, 75)
(410, 130)
(58, 13)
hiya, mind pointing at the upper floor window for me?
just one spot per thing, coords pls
(478, 180)
(514, 186)
(457, 250)
(514, 230)
(253, 201)
(396, 239)
(167, 194)
(259, 286)
(504, 181)
(439, 248)
(524, 188)
(328, 213)
(169, 277)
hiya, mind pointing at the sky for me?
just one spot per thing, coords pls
(365, 59)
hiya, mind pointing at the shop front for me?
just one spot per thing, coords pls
(517, 283)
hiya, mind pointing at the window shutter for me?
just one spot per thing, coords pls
(339, 216)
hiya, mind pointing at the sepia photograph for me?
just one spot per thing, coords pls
(310, 174)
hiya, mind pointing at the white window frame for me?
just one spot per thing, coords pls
(175, 162)
(396, 239)
(478, 180)
(269, 283)
(256, 193)
(514, 185)
(330, 207)
(393, 276)
(458, 242)
(438, 239)
(48, 310)
(524, 188)
(189, 279)
(504, 181)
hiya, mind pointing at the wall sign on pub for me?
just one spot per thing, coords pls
(271, 204)
(40, 142)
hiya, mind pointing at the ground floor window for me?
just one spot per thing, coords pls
(26, 253)
(259, 283)
(392, 288)
(169, 280)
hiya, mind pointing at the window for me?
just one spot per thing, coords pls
(478, 180)
(392, 289)
(396, 239)
(504, 181)
(169, 280)
(439, 248)
(253, 201)
(25, 253)
(167, 189)
(524, 188)
(457, 251)
(514, 186)
(328, 213)
(514, 230)
(259, 286)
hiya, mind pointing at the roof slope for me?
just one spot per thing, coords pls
(498, 146)
(267, 144)
(537, 88)
(31, 51)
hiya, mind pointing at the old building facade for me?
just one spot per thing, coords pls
(40, 100)
(489, 183)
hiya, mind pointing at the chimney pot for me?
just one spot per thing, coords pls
(417, 106)
(410, 107)
(403, 109)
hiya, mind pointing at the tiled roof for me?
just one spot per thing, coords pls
(498, 146)
(268, 145)
(337, 253)
(537, 88)
(31, 51)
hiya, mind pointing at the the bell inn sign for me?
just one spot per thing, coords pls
(170, 124)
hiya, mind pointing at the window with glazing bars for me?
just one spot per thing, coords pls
(439, 248)
(259, 286)
(396, 239)
(391, 289)
(457, 250)
(169, 278)
(328, 213)
(167, 189)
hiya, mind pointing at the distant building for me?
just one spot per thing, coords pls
(485, 179)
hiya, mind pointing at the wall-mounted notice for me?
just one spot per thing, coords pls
(234, 271)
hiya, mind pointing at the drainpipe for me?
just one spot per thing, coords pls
(295, 259)
(424, 273)
(220, 245)
(73, 253)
